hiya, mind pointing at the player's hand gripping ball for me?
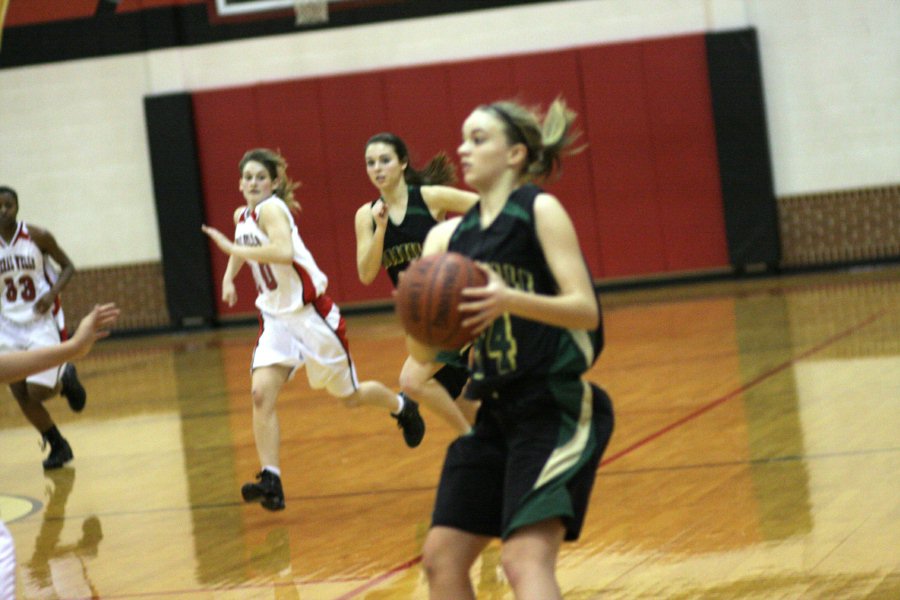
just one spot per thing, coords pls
(428, 296)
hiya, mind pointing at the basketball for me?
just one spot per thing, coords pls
(428, 295)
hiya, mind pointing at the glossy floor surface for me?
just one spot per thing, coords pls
(756, 455)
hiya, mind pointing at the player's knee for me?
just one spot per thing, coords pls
(260, 398)
(444, 563)
(435, 563)
(518, 562)
(410, 385)
(513, 568)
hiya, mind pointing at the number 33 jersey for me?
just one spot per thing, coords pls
(26, 274)
(281, 288)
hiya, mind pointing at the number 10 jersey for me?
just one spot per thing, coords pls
(281, 288)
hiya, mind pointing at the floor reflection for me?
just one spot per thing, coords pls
(58, 568)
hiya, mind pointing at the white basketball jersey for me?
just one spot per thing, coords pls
(281, 288)
(26, 275)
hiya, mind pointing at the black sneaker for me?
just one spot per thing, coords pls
(267, 490)
(60, 454)
(72, 388)
(410, 421)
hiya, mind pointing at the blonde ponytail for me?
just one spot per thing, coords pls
(547, 137)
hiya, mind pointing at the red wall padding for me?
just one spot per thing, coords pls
(624, 188)
(224, 131)
(688, 192)
(644, 194)
(545, 77)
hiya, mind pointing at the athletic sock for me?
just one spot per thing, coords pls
(272, 470)
(400, 406)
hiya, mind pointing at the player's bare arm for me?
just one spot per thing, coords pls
(574, 307)
(229, 292)
(275, 225)
(18, 365)
(443, 199)
(235, 263)
(438, 239)
(47, 243)
(369, 241)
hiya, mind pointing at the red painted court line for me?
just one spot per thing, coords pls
(750, 384)
(674, 425)
(381, 578)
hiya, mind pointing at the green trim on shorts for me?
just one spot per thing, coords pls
(576, 444)
(454, 358)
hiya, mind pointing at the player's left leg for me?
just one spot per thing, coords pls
(31, 397)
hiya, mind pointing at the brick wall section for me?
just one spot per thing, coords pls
(840, 227)
(138, 289)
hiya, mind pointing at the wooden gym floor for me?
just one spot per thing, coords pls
(756, 455)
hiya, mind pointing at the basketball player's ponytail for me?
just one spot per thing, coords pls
(547, 138)
(439, 171)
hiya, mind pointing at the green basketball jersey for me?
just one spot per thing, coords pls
(514, 348)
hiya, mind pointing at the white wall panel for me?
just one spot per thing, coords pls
(832, 82)
(74, 148)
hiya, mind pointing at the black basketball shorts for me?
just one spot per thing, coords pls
(533, 455)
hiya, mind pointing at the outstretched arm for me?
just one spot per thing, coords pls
(17, 365)
(275, 225)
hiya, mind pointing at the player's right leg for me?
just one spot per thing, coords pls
(447, 557)
(267, 489)
(468, 510)
(265, 385)
(71, 388)
(38, 387)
